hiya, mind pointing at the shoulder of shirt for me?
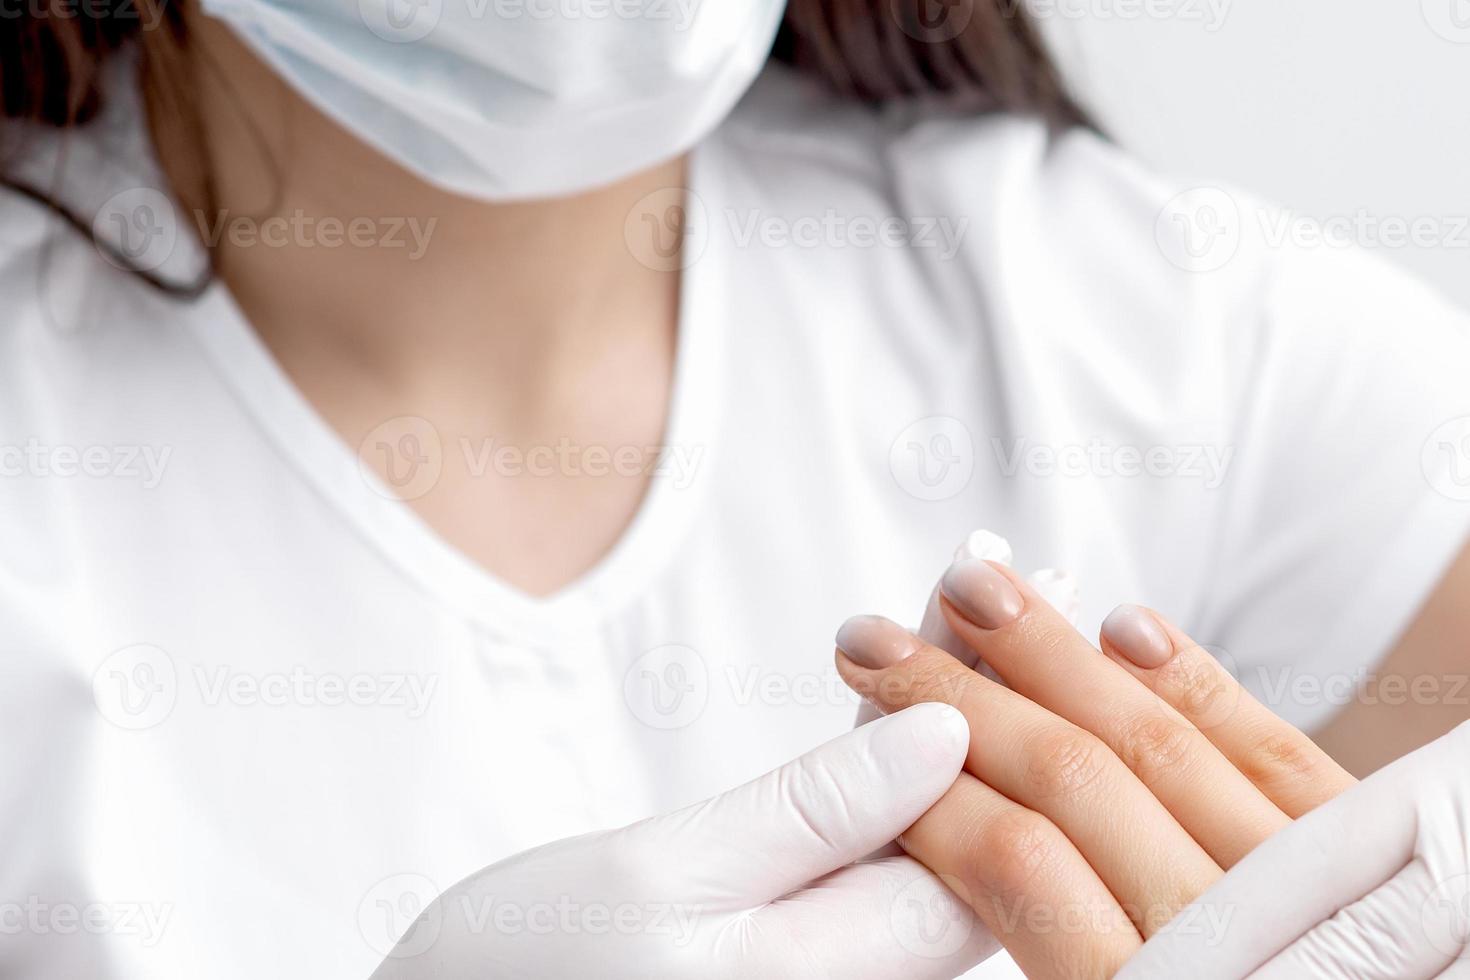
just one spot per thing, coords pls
(1055, 217)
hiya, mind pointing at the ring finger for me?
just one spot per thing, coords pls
(1280, 760)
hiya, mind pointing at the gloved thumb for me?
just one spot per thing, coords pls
(823, 810)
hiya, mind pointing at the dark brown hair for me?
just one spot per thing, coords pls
(985, 55)
(982, 54)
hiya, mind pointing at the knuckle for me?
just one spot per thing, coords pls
(1042, 639)
(1280, 755)
(1154, 747)
(1192, 685)
(1012, 851)
(1064, 761)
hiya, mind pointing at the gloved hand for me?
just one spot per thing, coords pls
(1374, 884)
(758, 882)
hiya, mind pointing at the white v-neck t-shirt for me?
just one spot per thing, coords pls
(254, 711)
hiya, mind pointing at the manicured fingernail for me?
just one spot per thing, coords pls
(1135, 634)
(874, 642)
(983, 594)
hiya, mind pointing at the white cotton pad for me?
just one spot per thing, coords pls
(1060, 589)
(985, 545)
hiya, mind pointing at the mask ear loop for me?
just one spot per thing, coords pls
(156, 50)
(84, 101)
(187, 291)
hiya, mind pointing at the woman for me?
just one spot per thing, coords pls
(538, 414)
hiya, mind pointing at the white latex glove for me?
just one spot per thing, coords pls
(758, 882)
(1373, 884)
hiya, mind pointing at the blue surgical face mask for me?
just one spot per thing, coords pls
(514, 99)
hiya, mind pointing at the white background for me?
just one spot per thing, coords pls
(1323, 106)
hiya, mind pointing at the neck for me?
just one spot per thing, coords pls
(340, 258)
